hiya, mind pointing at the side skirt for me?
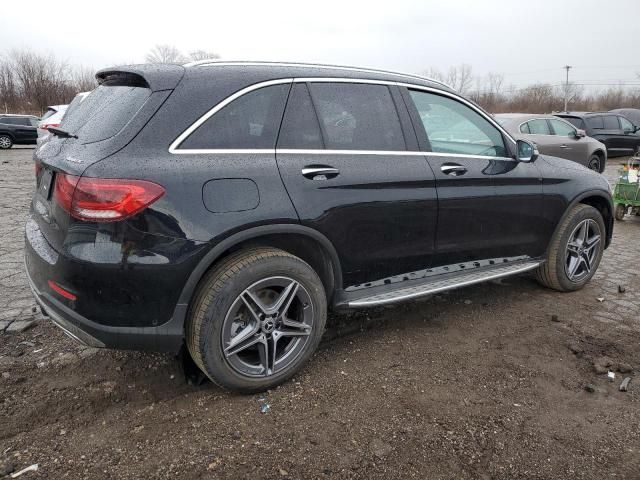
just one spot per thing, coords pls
(427, 282)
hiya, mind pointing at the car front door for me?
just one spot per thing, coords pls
(567, 143)
(489, 205)
(631, 140)
(348, 158)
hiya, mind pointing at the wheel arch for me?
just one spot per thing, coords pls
(304, 242)
(602, 154)
(600, 200)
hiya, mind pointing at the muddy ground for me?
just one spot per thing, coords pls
(485, 382)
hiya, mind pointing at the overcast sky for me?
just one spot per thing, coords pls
(526, 41)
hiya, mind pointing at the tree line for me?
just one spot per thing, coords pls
(31, 81)
(491, 92)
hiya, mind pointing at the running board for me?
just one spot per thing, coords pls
(433, 284)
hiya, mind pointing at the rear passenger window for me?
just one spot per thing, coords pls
(539, 127)
(300, 127)
(595, 122)
(250, 121)
(357, 116)
(611, 122)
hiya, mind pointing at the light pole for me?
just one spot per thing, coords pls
(566, 89)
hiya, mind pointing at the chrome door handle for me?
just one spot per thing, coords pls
(453, 169)
(563, 146)
(320, 172)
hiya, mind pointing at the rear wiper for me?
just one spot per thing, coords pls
(58, 132)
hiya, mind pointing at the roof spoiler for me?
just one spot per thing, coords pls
(156, 77)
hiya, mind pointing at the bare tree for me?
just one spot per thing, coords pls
(83, 79)
(458, 77)
(197, 55)
(165, 54)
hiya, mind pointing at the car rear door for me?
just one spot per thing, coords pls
(348, 158)
(616, 140)
(566, 143)
(539, 132)
(489, 205)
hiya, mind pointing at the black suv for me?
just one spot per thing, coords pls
(617, 133)
(18, 130)
(228, 206)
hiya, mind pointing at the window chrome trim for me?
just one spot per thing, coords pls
(546, 134)
(173, 148)
(223, 63)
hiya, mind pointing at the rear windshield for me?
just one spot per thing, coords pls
(104, 112)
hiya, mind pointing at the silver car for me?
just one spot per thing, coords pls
(556, 137)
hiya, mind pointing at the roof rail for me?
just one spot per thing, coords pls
(214, 62)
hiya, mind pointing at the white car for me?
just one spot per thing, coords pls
(51, 118)
(55, 114)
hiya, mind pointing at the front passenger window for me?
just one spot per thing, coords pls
(562, 129)
(453, 127)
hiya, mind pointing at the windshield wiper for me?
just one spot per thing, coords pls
(58, 132)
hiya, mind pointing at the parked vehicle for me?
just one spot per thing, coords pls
(554, 136)
(631, 114)
(615, 131)
(229, 205)
(17, 130)
(51, 118)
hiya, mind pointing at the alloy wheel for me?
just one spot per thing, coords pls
(267, 327)
(582, 250)
(5, 142)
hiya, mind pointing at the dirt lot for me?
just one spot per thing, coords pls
(478, 383)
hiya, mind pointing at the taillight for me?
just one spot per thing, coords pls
(47, 125)
(104, 199)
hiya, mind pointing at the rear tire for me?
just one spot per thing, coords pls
(595, 163)
(5, 142)
(236, 333)
(620, 211)
(575, 250)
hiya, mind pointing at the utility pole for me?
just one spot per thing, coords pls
(566, 89)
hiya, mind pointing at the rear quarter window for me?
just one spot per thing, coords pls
(248, 122)
(105, 112)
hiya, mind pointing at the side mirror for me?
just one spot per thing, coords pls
(580, 133)
(636, 128)
(527, 151)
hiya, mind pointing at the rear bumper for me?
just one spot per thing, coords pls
(165, 338)
(99, 317)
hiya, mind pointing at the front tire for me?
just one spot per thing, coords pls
(620, 211)
(575, 250)
(256, 319)
(5, 142)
